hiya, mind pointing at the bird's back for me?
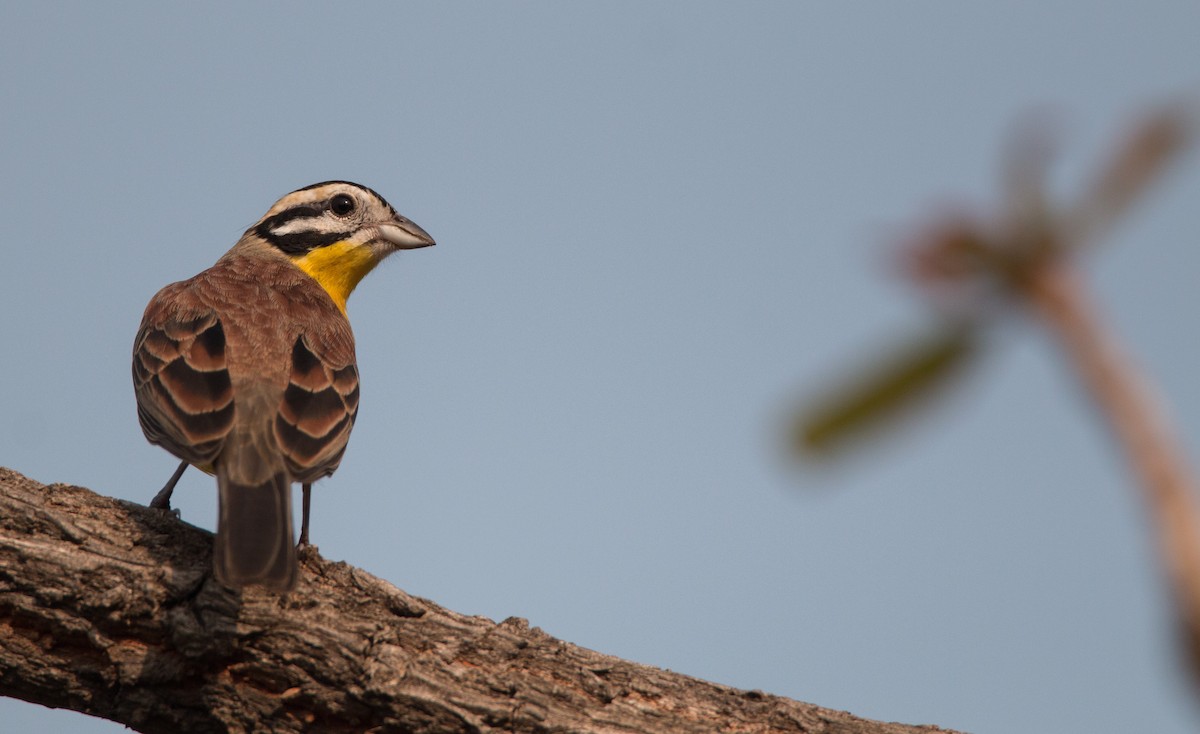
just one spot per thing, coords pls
(249, 368)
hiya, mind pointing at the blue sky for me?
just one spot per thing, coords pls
(658, 226)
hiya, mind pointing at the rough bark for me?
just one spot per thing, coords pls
(109, 608)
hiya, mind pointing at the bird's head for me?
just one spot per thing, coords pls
(337, 232)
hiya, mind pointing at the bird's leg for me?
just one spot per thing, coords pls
(162, 500)
(305, 503)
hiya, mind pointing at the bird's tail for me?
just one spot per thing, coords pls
(254, 526)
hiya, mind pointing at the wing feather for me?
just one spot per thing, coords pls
(181, 380)
(319, 406)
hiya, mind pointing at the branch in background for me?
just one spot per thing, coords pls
(1132, 410)
(110, 609)
(977, 272)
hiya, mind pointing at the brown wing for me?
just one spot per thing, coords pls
(319, 404)
(181, 381)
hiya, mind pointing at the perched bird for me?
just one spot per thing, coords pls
(247, 370)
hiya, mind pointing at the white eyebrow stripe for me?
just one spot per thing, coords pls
(304, 224)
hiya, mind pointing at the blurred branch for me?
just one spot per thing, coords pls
(109, 608)
(1116, 386)
(1153, 144)
(980, 271)
(974, 271)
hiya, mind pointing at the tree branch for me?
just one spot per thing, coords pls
(1141, 429)
(109, 608)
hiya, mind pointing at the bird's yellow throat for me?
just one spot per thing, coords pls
(338, 268)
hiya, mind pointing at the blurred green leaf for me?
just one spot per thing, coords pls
(900, 380)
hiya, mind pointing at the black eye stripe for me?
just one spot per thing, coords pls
(270, 224)
(301, 241)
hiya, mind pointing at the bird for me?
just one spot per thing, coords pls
(247, 370)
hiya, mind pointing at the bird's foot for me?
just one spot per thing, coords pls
(162, 500)
(306, 550)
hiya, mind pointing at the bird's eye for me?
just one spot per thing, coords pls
(342, 205)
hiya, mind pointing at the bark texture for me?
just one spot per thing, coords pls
(110, 608)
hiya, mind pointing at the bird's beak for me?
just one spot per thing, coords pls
(404, 235)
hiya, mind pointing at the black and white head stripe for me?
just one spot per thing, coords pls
(360, 187)
(316, 216)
